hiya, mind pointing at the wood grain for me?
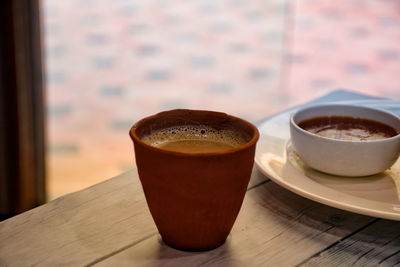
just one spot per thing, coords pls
(376, 244)
(83, 227)
(79, 228)
(275, 228)
(109, 225)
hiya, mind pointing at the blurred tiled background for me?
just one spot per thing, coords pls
(112, 62)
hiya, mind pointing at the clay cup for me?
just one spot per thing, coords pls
(194, 198)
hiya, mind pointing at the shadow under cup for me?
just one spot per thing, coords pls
(194, 198)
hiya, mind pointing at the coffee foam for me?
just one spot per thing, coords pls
(189, 132)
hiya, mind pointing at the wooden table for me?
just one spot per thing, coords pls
(109, 224)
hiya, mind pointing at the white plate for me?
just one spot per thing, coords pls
(370, 195)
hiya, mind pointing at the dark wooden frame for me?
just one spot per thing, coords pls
(22, 145)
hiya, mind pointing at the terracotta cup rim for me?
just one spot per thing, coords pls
(250, 143)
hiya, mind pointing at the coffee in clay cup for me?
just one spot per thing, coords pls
(194, 196)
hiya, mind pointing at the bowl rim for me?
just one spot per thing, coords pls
(373, 109)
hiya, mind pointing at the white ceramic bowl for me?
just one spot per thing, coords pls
(342, 157)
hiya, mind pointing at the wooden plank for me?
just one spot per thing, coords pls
(376, 244)
(79, 228)
(274, 227)
(82, 227)
(109, 224)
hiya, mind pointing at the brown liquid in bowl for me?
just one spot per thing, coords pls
(348, 128)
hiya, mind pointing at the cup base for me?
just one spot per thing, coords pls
(191, 248)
